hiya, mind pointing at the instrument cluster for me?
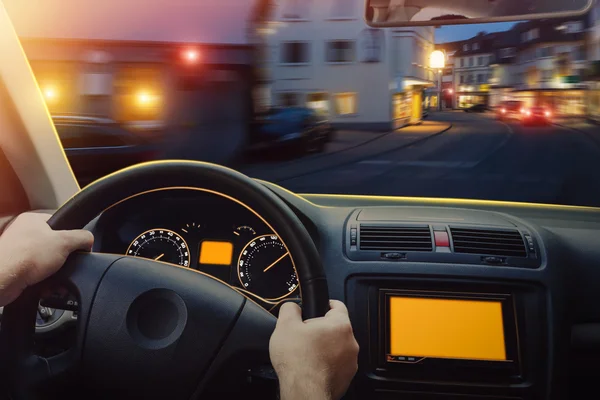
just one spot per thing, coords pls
(203, 231)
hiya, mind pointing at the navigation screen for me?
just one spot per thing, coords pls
(446, 328)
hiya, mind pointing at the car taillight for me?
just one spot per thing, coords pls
(522, 111)
(547, 113)
(528, 113)
(504, 111)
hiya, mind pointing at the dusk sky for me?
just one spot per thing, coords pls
(452, 33)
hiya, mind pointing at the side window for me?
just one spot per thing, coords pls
(81, 136)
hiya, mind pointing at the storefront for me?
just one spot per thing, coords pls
(468, 96)
(593, 100)
(564, 102)
(500, 94)
(408, 104)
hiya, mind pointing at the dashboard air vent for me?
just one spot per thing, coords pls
(395, 238)
(488, 241)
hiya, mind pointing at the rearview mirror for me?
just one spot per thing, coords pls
(382, 13)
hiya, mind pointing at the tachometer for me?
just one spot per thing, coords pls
(265, 268)
(161, 245)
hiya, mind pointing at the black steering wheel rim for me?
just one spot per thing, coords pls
(160, 175)
(18, 324)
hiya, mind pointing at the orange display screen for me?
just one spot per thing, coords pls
(446, 328)
(216, 253)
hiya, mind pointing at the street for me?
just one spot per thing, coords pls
(465, 156)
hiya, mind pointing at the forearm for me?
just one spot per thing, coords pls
(298, 388)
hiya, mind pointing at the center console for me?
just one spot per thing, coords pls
(448, 338)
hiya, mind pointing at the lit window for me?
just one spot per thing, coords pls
(340, 51)
(345, 103)
(318, 102)
(296, 9)
(295, 52)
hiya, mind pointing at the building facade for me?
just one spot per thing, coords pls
(593, 73)
(192, 73)
(324, 56)
(551, 63)
(540, 62)
(473, 70)
(448, 84)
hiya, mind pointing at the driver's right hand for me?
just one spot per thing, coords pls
(314, 359)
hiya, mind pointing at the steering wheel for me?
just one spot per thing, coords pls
(145, 328)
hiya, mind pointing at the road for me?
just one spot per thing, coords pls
(478, 158)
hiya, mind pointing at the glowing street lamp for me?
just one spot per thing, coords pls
(50, 94)
(437, 60)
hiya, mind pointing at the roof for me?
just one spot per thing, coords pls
(182, 21)
(548, 32)
(486, 44)
(450, 46)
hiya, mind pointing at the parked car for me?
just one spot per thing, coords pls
(537, 116)
(477, 108)
(510, 110)
(98, 146)
(298, 129)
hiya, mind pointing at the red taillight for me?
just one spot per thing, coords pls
(548, 114)
(503, 111)
(528, 113)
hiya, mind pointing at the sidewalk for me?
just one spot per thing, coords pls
(348, 147)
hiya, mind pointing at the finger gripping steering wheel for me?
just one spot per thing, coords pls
(146, 329)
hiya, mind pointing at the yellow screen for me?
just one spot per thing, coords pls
(216, 253)
(446, 328)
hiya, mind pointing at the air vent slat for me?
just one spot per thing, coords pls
(489, 242)
(399, 238)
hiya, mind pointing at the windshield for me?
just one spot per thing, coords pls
(305, 95)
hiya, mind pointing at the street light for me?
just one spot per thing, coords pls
(437, 60)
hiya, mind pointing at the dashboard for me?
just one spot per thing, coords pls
(206, 232)
(449, 299)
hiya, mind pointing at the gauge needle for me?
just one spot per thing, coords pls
(159, 257)
(276, 261)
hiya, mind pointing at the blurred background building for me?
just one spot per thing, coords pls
(543, 62)
(190, 70)
(593, 71)
(318, 49)
(472, 69)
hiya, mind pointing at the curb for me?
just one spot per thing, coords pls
(355, 160)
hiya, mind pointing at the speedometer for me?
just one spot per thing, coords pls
(265, 268)
(161, 245)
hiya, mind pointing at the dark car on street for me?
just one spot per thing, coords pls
(510, 110)
(477, 108)
(98, 146)
(536, 116)
(299, 130)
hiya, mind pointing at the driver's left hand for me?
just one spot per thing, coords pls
(30, 251)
